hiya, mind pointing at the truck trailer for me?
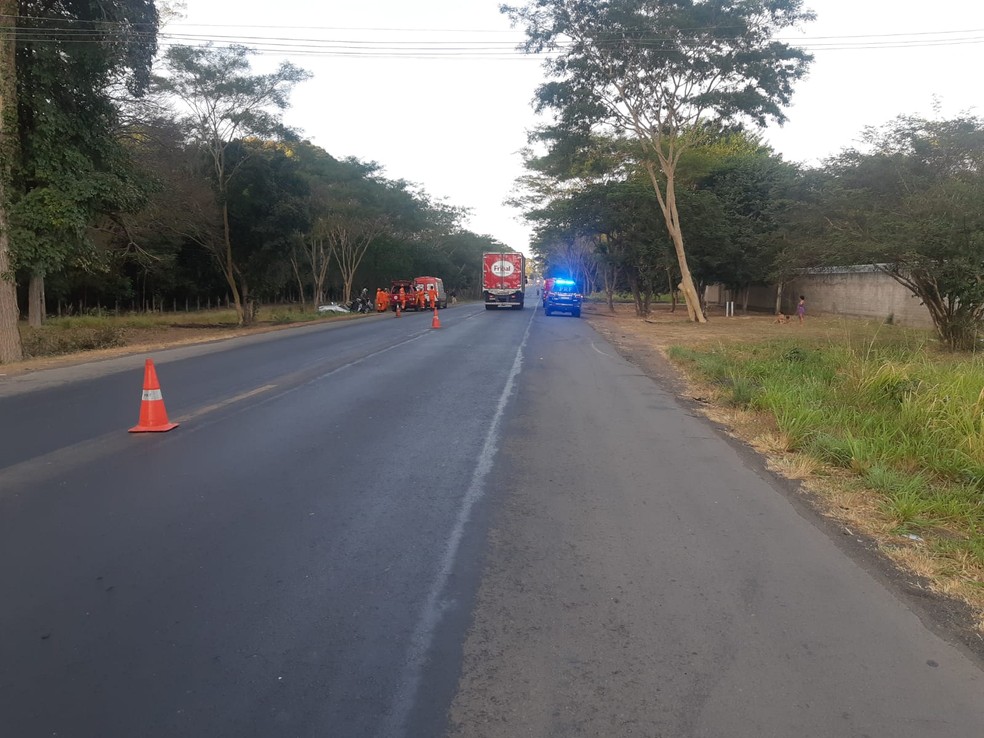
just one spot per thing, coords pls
(503, 280)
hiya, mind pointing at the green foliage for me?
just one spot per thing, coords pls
(287, 316)
(733, 197)
(71, 62)
(753, 189)
(224, 104)
(911, 203)
(907, 423)
(225, 100)
(267, 208)
(670, 75)
(626, 55)
(743, 390)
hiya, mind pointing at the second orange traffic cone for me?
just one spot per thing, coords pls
(153, 416)
(436, 322)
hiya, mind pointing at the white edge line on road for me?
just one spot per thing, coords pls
(219, 405)
(430, 616)
(600, 351)
(289, 386)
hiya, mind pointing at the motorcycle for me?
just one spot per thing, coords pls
(361, 305)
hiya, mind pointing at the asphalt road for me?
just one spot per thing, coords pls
(498, 528)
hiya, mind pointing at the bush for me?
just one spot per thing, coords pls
(54, 340)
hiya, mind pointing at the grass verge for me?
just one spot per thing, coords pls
(890, 431)
(77, 334)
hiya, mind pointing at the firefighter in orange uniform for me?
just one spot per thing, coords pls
(420, 298)
(403, 300)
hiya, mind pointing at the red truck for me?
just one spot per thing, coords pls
(503, 279)
(409, 295)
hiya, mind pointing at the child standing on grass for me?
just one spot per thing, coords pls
(801, 308)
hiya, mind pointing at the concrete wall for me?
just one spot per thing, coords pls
(856, 291)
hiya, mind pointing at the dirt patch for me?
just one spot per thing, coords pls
(950, 601)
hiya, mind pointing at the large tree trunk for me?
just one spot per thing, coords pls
(687, 287)
(36, 307)
(672, 218)
(636, 293)
(229, 267)
(10, 343)
(320, 264)
(610, 277)
(300, 282)
(779, 298)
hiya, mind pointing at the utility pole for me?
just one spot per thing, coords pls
(10, 343)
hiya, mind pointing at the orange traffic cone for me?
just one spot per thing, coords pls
(397, 309)
(153, 416)
(436, 322)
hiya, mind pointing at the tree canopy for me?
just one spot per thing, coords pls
(910, 202)
(227, 103)
(64, 65)
(666, 72)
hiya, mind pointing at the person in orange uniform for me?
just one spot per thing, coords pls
(382, 300)
(403, 300)
(420, 299)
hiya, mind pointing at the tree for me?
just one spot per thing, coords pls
(351, 215)
(268, 211)
(226, 104)
(312, 250)
(667, 72)
(177, 237)
(10, 343)
(571, 195)
(754, 189)
(60, 65)
(593, 188)
(345, 213)
(368, 210)
(911, 205)
(75, 61)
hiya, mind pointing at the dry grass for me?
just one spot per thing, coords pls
(155, 332)
(836, 492)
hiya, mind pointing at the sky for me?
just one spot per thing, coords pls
(434, 91)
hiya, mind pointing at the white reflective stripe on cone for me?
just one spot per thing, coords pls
(152, 395)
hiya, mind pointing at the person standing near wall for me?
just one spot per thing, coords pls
(801, 309)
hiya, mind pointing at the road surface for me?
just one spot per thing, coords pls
(498, 528)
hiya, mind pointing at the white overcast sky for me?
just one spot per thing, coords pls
(452, 120)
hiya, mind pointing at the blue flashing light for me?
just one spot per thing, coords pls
(563, 281)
